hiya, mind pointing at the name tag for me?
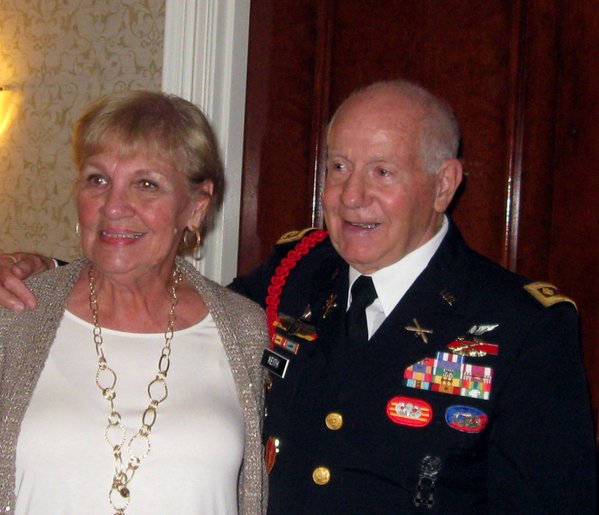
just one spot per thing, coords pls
(274, 362)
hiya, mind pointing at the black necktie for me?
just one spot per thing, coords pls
(363, 295)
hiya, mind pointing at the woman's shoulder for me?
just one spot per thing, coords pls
(54, 286)
(57, 276)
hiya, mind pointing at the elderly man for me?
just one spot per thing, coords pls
(452, 400)
(409, 374)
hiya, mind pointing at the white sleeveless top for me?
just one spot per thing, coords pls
(65, 466)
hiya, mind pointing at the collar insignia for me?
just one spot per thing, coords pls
(419, 331)
(330, 303)
(448, 297)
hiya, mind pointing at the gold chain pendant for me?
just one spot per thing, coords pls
(115, 435)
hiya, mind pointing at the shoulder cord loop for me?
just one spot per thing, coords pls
(282, 272)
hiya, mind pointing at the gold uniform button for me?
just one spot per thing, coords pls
(334, 421)
(321, 475)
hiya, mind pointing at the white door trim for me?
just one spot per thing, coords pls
(205, 61)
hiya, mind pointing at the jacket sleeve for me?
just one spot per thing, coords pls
(542, 452)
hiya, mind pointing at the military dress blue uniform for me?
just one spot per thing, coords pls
(469, 399)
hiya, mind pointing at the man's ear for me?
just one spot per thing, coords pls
(448, 180)
(201, 204)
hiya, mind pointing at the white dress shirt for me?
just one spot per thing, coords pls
(392, 282)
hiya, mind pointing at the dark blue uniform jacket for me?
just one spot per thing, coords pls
(508, 431)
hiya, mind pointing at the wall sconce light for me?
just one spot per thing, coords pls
(7, 105)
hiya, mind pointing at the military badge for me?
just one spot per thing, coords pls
(429, 472)
(481, 329)
(406, 411)
(285, 343)
(448, 297)
(330, 304)
(474, 349)
(466, 419)
(288, 330)
(419, 331)
(449, 373)
(299, 328)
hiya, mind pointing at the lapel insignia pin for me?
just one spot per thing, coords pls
(307, 314)
(419, 331)
(330, 303)
(448, 297)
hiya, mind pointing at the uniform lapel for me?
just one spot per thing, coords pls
(434, 309)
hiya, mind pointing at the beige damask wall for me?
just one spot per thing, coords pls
(55, 57)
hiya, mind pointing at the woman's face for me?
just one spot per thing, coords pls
(132, 213)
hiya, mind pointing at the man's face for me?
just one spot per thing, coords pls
(379, 205)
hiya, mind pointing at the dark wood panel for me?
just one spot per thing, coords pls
(277, 183)
(575, 213)
(539, 117)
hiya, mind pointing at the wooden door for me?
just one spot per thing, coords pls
(520, 75)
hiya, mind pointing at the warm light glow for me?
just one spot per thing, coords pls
(7, 107)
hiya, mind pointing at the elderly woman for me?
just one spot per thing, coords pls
(135, 387)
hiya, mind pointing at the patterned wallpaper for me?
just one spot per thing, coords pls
(55, 57)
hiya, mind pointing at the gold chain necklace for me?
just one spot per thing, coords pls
(139, 444)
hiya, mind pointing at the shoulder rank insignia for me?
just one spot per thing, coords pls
(292, 236)
(547, 294)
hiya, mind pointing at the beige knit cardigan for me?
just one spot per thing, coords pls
(25, 341)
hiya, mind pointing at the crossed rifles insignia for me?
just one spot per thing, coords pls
(419, 331)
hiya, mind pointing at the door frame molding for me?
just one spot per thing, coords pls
(205, 62)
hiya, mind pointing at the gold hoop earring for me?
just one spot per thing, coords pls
(198, 239)
(78, 229)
